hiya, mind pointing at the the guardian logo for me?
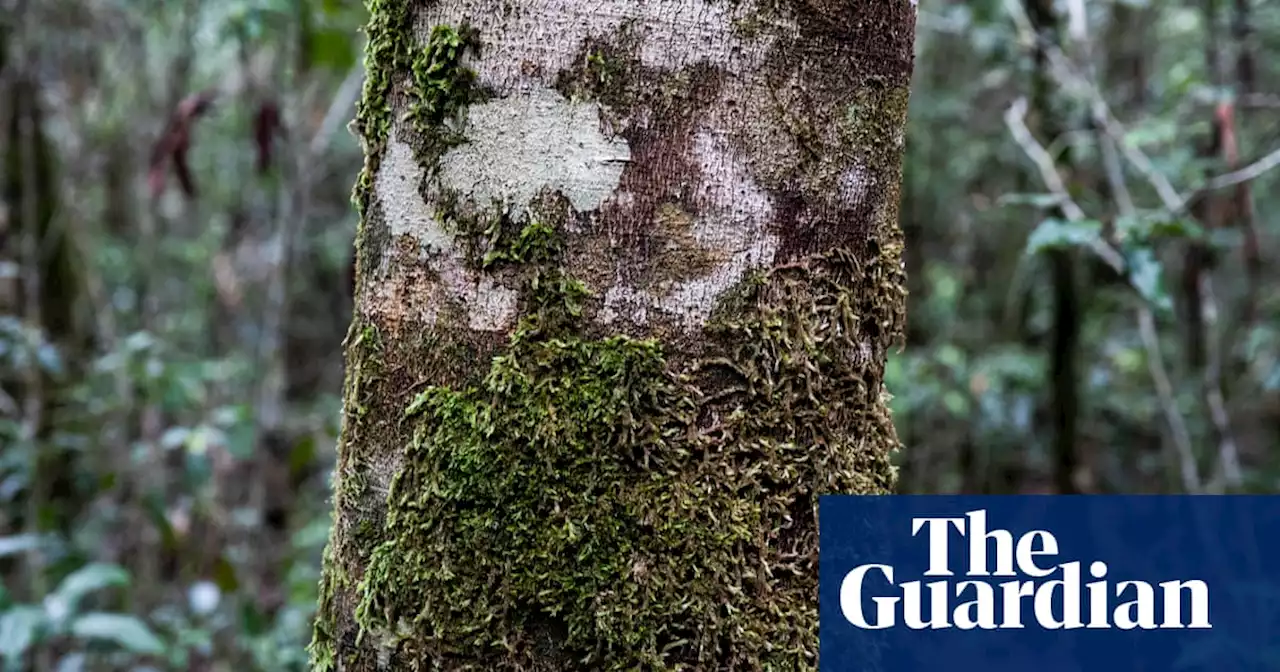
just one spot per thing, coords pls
(981, 601)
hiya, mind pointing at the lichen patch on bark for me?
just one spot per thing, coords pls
(433, 260)
(534, 140)
(396, 186)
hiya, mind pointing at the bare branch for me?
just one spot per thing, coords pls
(1168, 403)
(1228, 453)
(1249, 172)
(1015, 119)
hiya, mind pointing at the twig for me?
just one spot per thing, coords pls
(1249, 172)
(1228, 453)
(1168, 402)
(1255, 101)
(1015, 119)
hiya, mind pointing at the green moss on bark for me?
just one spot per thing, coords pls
(441, 85)
(364, 368)
(593, 504)
(388, 51)
(440, 88)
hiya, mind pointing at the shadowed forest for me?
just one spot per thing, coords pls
(1088, 208)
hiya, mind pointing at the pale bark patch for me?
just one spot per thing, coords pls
(519, 145)
(532, 138)
(406, 213)
(489, 306)
(528, 43)
(853, 184)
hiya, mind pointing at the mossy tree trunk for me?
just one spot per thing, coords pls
(627, 277)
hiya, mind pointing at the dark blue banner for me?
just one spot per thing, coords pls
(1049, 584)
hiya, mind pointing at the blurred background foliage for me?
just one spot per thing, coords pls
(1087, 203)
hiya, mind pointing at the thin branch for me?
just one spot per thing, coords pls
(1015, 119)
(1115, 176)
(1258, 101)
(1247, 101)
(1168, 402)
(1249, 172)
(1078, 22)
(1228, 453)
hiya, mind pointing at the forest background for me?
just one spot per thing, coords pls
(1089, 217)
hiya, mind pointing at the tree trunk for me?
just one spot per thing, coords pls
(627, 277)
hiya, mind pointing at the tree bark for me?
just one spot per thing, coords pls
(627, 275)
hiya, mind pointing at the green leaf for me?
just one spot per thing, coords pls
(224, 575)
(92, 577)
(1147, 276)
(19, 628)
(956, 403)
(1128, 360)
(946, 286)
(240, 440)
(1055, 233)
(1175, 228)
(1147, 229)
(951, 357)
(124, 630)
(303, 454)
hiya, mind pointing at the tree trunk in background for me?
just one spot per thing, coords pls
(627, 277)
(47, 293)
(1127, 68)
(1068, 309)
